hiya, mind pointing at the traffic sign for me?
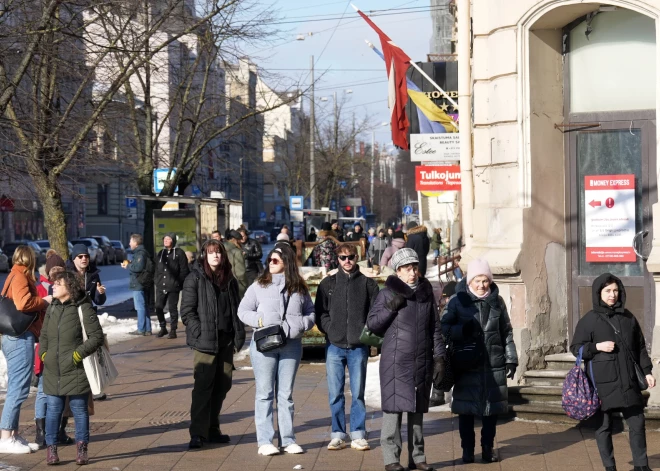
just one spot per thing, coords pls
(407, 210)
(131, 203)
(160, 177)
(296, 203)
(342, 184)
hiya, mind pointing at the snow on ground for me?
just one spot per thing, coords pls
(116, 292)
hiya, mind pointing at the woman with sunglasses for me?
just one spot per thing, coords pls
(279, 297)
(209, 307)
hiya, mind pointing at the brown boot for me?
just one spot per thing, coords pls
(81, 455)
(51, 455)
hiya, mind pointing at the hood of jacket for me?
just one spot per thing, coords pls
(398, 243)
(172, 236)
(423, 292)
(598, 304)
(418, 230)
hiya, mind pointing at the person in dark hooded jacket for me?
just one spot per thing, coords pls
(418, 240)
(412, 357)
(477, 323)
(613, 341)
(89, 275)
(171, 271)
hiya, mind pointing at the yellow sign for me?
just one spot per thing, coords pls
(181, 223)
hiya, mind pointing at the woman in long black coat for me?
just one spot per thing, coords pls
(406, 315)
(477, 322)
(613, 341)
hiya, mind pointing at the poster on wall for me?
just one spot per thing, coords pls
(609, 218)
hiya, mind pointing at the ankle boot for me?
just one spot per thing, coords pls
(642, 468)
(172, 334)
(81, 455)
(62, 437)
(468, 456)
(40, 436)
(51, 455)
(162, 332)
(610, 468)
(488, 455)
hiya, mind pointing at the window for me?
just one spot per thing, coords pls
(102, 199)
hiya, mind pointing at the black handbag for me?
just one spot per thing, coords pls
(12, 321)
(640, 377)
(271, 337)
(370, 339)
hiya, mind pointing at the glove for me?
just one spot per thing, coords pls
(76, 358)
(395, 303)
(43, 356)
(438, 371)
(510, 370)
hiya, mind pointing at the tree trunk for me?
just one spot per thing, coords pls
(54, 218)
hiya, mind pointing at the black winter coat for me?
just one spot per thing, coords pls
(419, 241)
(412, 340)
(481, 391)
(199, 313)
(253, 255)
(61, 335)
(171, 270)
(614, 372)
(342, 304)
(89, 280)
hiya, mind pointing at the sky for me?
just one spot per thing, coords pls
(343, 61)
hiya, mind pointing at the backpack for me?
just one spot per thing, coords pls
(579, 398)
(146, 276)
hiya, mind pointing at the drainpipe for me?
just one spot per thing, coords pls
(465, 113)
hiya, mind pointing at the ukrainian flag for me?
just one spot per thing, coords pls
(432, 120)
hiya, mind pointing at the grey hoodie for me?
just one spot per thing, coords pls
(397, 244)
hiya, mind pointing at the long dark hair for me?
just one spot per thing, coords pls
(222, 275)
(294, 283)
(72, 283)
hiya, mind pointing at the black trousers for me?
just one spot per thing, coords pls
(172, 300)
(466, 430)
(634, 416)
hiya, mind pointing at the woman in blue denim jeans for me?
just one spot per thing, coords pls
(280, 289)
(19, 351)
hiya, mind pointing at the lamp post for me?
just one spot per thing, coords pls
(373, 166)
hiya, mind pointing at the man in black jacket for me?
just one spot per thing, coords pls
(253, 255)
(343, 301)
(89, 275)
(418, 240)
(171, 271)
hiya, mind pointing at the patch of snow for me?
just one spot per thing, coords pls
(372, 388)
(243, 354)
(518, 419)
(244, 368)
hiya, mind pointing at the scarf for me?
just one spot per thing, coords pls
(480, 297)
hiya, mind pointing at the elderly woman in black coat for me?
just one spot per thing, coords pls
(484, 355)
(613, 341)
(412, 357)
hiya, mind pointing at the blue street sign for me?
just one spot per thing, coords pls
(196, 191)
(160, 177)
(407, 210)
(342, 183)
(362, 211)
(262, 215)
(296, 203)
(333, 205)
(131, 202)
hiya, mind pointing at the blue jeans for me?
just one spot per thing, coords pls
(274, 374)
(19, 353)
(336, 361)
(436, 253)
(78, 404)
(140, 303)
(40, 401)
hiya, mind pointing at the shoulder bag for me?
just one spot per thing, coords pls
(99, 368)
(640, 377)
(12, 321)
(271, 337)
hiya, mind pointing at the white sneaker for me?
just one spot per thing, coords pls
(269, 450)
(360, 444)
(294, 449)
(23, 441)
(336, 444)
(12, 446)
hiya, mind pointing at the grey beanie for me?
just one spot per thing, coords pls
(79, 249)
(403, 257)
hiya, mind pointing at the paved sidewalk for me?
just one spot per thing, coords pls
(144, 426)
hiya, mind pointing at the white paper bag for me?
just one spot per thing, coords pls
(99, 368)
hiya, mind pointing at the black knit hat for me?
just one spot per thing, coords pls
(79, 249)
(398, 235)
(412, 225)
(234, 235)
(326, 226)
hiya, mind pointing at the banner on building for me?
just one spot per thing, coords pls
(435, 147)
(609, 218)
(438, 178)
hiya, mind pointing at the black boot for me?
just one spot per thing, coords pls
(40, 436)
(642, 468)
(468, 456)
(488, 455)
(610, 468)
(162, 332)
(62, 437)
(172, 334)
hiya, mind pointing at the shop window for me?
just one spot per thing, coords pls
(102, 199)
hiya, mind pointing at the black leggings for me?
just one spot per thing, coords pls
(466, 430)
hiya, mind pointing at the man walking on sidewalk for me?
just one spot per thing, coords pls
(171, 271)
(343, 301)
(142, 279)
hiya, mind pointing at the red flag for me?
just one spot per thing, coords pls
(397, 63)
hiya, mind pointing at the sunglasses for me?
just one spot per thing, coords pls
(343, 258)
(274, 261)
(82, 256)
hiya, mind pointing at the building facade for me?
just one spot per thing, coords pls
(565, 92)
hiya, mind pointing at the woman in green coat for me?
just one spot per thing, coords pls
(62, 350)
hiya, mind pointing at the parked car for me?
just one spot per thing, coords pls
(45, 246)
(120, 251)
(10, 247)
(261, 237)
(4, 262)
(109, 256)
(95, 252)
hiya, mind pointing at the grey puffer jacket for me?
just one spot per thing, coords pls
(267, 303)
(481, 391)
(412, 340)
(396, 244)
(377, 249)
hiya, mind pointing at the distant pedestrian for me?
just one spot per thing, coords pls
(209, 309)
(371, 234)
(215, 235)
(19, 351)
(237, 260)
(412, 357)
(141, 280)
(64, 376)
(337, 228)
(324, 254)
(476, 317)
(253, 254)
(283, 240)
(191, 259)
(377, 248)
(398, 242)
(436, 243)
(418, 240)
(342, 324)
(279, 297)
(311, 237)
(611, 338)
(171, 271)
(357, 235)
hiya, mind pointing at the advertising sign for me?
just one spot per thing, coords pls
(447, 178)
(609, 218)
(181, 223)
(435, 147)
